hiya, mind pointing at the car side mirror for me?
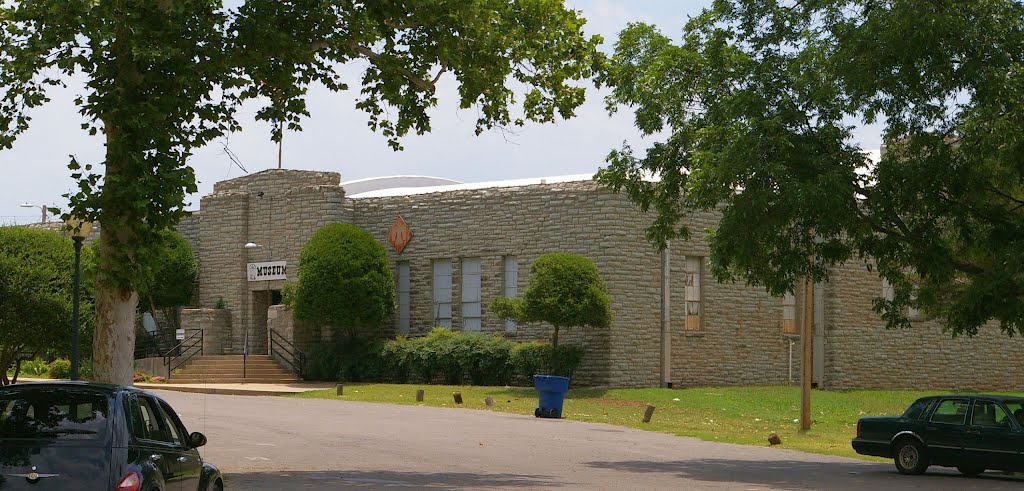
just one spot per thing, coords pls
(196, 440)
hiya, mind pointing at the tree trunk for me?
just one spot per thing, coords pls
(114, 340)
(554, 339)
(113, 346)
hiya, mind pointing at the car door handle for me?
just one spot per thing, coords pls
(182, 460)
(155, 457)
(972, 432)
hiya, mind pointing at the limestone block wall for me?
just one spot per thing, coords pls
(278, 210)
(861, 352)
(222, 264)
(526, 222)
(740, 340)
(215, 323)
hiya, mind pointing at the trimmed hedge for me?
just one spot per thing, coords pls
(442, 356)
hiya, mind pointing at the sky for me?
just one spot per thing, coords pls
(335, 136)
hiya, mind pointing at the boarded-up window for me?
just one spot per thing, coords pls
(693, 298)
(404, 289)
(471, 294)
(443, 293)
(511, 286)
(789, 313)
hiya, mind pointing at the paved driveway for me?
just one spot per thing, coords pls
(279, 443)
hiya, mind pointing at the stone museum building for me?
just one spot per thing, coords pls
(456, 247)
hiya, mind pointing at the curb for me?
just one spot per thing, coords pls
(217, 390)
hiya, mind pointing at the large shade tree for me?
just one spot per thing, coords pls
(163, 77)
(756, 110)
(35, 295)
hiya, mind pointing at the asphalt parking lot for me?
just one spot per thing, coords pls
(282, 443)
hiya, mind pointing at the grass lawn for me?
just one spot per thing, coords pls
(744, 415)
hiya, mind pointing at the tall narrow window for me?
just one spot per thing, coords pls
(789, 313)
(404, 288)
(443, 293)
(693, 300)
(511, 286)
(471, 294)
(889, 294)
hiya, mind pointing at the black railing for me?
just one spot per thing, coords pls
(153, 344)
(286, 351)
(182, 352)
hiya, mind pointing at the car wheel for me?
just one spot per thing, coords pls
(536, 413)
(910, 457)
(970, 470)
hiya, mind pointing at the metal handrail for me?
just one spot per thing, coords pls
(245, 355)
(296, 358)
(147, 343)
(182, 350)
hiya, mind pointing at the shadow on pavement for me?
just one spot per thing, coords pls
(381, 479)
(800, 475)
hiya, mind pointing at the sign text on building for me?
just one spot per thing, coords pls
(273, 270)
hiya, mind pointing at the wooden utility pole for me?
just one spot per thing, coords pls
(807, 338)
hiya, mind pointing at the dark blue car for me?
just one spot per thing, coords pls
(91, 436)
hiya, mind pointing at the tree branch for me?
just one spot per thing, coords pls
(376, 58)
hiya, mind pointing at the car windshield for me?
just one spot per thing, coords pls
(53, 414)
(1016, 407)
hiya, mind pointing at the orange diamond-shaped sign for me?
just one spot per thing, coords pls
(399, 234)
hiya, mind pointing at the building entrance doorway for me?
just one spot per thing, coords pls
(261, 301)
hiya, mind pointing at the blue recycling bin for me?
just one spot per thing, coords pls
(551, 391)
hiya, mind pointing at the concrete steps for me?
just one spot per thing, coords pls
(228, 369)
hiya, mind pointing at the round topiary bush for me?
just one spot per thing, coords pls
(343, 280)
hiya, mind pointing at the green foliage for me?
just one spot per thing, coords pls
(220, 304)
(34, 368)
(174, 276)
(322, 363)
(36, 271)
(758, 103)
(344, 280)
(535, 357)
(480, 359)
(565, 290)
(164, 78)
(59, 368)
(452, 357)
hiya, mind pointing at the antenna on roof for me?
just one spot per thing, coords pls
(234, 158)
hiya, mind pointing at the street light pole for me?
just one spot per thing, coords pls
(79, 231)
(41, 207)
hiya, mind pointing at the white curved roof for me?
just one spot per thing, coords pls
(357, 186)
(409, 190)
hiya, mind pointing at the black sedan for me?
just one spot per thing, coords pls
(972, 433)
(91, 436)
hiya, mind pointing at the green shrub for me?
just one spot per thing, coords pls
(529, 359)
(360, 360)
(321, 363)
(60, 368)
(344, 280)
(34, 368)
(442, 356)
